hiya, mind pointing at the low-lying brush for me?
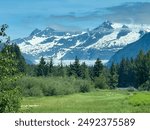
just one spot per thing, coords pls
(50, 86)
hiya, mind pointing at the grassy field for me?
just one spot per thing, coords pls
(99, 101)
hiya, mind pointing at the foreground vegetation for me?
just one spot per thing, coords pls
(52, 86)
(98, 101)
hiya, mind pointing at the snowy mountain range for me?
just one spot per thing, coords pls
(132, 50)
(101, 42)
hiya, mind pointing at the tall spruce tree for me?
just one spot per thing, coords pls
(147, 66)
(140, 68)
(124, 80)
(76, 68)
(50, 67)
(98, 68)
(113, 76)
(60, 71)
(42, 69)
(143, 70)
(70, 70)
(84, 71)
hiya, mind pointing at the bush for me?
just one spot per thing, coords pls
(50, 86)
(84, 88)
(145, 86)
(49, 91)
(100, 82)
(10, 101)
(131, 89)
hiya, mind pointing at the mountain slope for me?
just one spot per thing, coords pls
(132, 50)
(102, 42)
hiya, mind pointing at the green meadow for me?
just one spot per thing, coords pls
(101, 101)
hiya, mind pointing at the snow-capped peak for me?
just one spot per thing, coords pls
(104, 27)
(35, 31)
(49, 29)
(107, 24)
(101, 42)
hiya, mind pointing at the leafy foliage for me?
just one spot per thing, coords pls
(50, 86)
(10, 100)
(13, 51)
(9, 94)
(101, 82)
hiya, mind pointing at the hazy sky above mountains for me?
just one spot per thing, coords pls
(23, 16)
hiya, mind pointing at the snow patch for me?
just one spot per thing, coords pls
(36, 40)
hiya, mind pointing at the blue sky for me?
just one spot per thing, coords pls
(23, 16)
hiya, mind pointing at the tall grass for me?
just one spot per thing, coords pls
(97, 101)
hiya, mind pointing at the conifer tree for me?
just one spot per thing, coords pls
(76, 68)
(42, 69)
(70, 70)
(50, 67)
(60, 70)
(143, 69)
(125, 73)
(113, 76)
(140, 68)
(84, 71)
(98, 68)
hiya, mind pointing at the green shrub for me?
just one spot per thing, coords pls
(49, 86)
(35, 91)
(100, 82)
(30, 87)
(145, 86)
(10, 101)
(84, 88)
(49, 90)
(131, 89)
